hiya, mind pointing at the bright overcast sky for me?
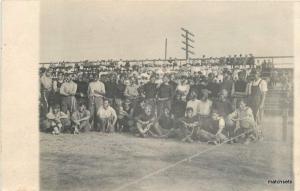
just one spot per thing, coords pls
(79, 30)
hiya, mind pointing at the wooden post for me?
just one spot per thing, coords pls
(285, 114)
(186, 46)
(285, 124)
(166, 48)
(187, 35)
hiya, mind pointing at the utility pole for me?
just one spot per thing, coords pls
(187, 42)
(166, 48)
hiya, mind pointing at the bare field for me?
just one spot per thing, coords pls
(96, 161)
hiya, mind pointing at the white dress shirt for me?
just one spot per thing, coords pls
(46, 82)
(68, 88)
(109, 112)
(98, 86)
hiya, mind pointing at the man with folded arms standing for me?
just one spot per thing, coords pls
(67, 91)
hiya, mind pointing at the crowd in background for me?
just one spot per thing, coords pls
(210, 103)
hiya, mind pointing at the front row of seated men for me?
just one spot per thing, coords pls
(213, 129)
(79, 121)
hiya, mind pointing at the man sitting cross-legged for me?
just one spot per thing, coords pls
(80, 119)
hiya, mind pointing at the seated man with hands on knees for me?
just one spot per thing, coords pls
(57, 121)
(80, 119)
(147, 123)
(106, 118)
(125, 116)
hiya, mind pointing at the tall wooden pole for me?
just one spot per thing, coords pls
(186, 46)
(166, 48)
(187, 35)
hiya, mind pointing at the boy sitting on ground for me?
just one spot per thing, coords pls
(57, 121)
(189, 126)
(80, 119)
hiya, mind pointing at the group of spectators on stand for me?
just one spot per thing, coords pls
(235, 60)
(214, 104)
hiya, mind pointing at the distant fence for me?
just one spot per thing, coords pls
(278, 61)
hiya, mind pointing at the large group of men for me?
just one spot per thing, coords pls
(212, 105)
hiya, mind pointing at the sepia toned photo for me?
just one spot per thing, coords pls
(157, 96)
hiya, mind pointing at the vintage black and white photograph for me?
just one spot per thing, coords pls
(166, 96)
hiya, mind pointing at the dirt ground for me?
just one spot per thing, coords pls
(96, 161)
